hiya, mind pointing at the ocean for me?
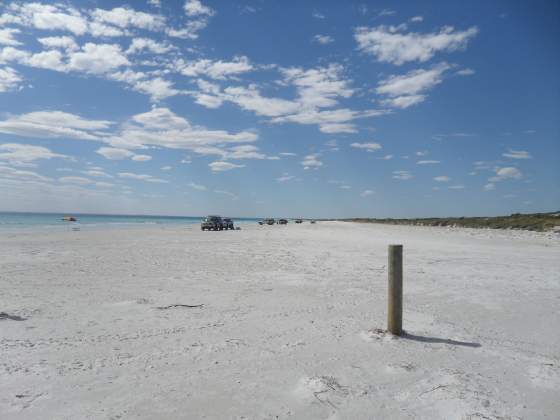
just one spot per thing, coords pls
(34, 221)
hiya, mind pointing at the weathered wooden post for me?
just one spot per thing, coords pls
(395, 307)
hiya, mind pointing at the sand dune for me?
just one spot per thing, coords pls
(282, 322)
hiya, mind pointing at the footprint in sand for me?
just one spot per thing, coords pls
(545, 375)
(325, 390)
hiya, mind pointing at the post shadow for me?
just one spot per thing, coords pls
(437, 340)
(4, 315)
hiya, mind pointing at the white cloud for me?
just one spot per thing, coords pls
(390, 44)
(113, 153)
(345, 187)
(97, 58)
(245, 151)
(22, 154)
(46, 17)
(329, 121)
(409, 89)
(9, 79)
(442, 178)
(506, 173)
(98, 173)
(221, 166)
(319, 87)
(287, 154)
(465, 72)
(417, 19)
(386, 157)
(77, 180)
(285, 178)
(146, 44)
(249, 98)
(125, 18)
(311, 162)
(7, 36)
(386, 12)
(422, 153)
(141, 158)
(196, 8)
(427, 162)
(53, 124)
(189, 31)
(318, 15)
(456, 187)
(161, 127)
(217, 69)
(316, 88)
(323, 39)
(156, 88)
(367, 193)
(196, 186)
(166, 168)
(7, 172)
(517, 154)
(402, 175)
(230, 194)
(404, 101)
(141, 177)
(490, 187)
(62, 42)
(368, 147)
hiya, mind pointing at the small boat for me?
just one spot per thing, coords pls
(69, 219)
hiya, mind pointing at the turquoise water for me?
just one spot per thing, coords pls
(92, 221)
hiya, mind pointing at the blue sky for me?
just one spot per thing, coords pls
(258, 108)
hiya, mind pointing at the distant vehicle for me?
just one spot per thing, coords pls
(69, 219)
(269, 222)
(299, 221)
(282, 222)
(312, 222)
(212, 223)
(228, 224)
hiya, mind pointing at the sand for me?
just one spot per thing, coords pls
(287, 327)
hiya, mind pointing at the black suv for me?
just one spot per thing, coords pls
(228, 224)
(212, 223)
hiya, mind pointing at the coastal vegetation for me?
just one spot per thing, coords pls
(539, 222)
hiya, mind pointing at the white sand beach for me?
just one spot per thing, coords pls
(287, 326)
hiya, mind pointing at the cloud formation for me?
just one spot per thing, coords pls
(393, 45)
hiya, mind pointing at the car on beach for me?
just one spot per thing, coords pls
(227, 223)
(299, 221)
(212, 223)
(282, 222)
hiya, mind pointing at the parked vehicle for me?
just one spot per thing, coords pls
(228, 224)
(282, 222)
(312, 222)
(270, 222)
(299, 221)
(212, 223)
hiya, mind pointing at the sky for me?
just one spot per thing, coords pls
(264, 108)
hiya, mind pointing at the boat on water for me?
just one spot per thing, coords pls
(69, 219)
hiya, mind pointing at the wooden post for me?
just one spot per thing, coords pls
(395, 307)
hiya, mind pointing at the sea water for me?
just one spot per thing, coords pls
(47, 221)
